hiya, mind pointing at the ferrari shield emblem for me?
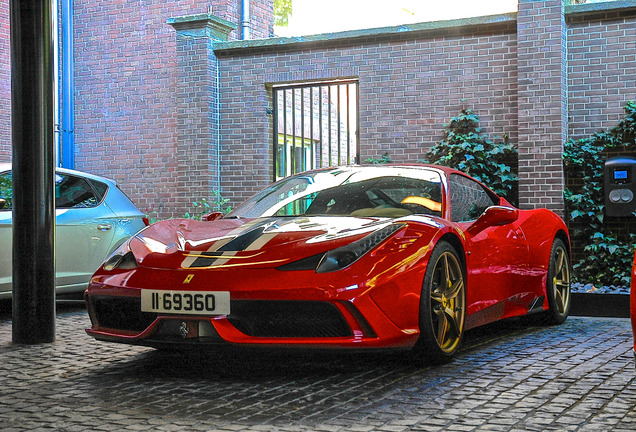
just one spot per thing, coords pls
(188, 278)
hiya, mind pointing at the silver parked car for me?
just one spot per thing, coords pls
(93, 217)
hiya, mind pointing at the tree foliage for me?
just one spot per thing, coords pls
(282, 12)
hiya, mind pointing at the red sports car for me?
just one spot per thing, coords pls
(348, 257)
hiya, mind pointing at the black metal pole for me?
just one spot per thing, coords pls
(32, 134)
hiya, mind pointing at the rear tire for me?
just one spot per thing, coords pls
(558, 284)
(442, 306)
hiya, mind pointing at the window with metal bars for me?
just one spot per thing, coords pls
(315, 126)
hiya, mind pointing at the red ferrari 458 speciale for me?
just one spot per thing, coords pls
(350, 257)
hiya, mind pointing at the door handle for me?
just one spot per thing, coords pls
(104, 227)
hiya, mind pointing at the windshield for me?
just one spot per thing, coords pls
(357, 191)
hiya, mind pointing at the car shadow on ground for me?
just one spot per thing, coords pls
(255, 385)
(281, 386)
(222, 363)
(262, 364)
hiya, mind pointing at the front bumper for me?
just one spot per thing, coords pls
(337, 324)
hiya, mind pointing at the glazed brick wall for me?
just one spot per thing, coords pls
(127, 78)
(126, 107)
(125, 121)
(542, 103)
(229, 10)
(5, 84)
(197, 114)
(409, 86)
(601, 70)
(261, 17)
(262, 22)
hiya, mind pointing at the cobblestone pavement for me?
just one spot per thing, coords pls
(508, 377)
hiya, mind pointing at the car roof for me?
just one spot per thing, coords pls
(443, 170)
(6, 166)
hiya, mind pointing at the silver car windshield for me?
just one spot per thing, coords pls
(349, 191)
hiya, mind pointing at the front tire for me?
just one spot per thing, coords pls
(442, 306)
(558, 284)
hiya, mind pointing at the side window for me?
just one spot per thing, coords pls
(469, 199)
(296, 207)
(74, 192)
(6, 191)
(100, 188)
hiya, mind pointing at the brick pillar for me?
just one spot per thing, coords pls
(542, 62)
(197, 103)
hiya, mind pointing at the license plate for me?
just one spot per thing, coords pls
(186, 302)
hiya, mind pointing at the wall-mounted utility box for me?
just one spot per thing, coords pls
(620, 186)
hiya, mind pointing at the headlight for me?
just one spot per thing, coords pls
(343, 257)
(122, 258)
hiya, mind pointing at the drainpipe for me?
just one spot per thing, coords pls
(56, 86)
(68, 123)
(245, 19)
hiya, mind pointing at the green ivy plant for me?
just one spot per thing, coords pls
(608, 251)
(202, 207)
(466, 149)
(384, 159)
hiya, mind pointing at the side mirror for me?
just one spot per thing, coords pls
(212, 216)
(494, 216)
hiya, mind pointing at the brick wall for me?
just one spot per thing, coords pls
(516, 74)
(542, 96)
(5, 84)
(125, 120)
(601, 69)
(410, 85)
(131, 119)
(126, 99)
(197, 107)
(262, 23)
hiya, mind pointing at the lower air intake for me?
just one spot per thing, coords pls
(122, 313)
(288, 319)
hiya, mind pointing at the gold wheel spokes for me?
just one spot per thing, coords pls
(437, 297)
(447, 302)
(456, 288)
(561, 280)
(448, 324)
(446, 282)
(442, 327)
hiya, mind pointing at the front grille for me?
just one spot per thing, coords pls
(122, 313)
(288, 319)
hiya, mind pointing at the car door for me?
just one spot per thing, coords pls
(84, 231)
(6, 195)
(496, 257)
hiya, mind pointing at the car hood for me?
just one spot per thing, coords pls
(256, 243)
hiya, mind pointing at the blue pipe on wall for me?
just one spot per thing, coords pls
(67, 150)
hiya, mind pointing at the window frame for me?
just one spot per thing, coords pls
(494, 198)
(340, 141)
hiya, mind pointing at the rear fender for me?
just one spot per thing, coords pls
(540, 228)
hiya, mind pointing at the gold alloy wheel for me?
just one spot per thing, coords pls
(561, 280)
(448, 300)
